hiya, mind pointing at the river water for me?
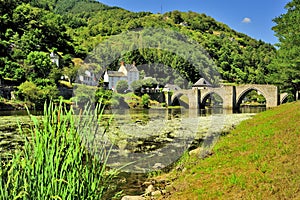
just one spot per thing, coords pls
(142, 141)
(149, 139)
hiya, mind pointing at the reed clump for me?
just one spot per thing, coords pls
(57, 160)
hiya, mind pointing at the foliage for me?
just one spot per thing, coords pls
(104, 96)
(11, 70)
(56, 162)
(122, 86)
(285, 68)
(143, 83)
(146, 100)
(38, 65)
(38, 95)
(84, 94)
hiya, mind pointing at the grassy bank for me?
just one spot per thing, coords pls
(260, 159)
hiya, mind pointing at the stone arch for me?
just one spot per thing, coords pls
(176, 99)
(206, 96)
(246, 91)
(219, 91)
(284, 98)
(270, 92)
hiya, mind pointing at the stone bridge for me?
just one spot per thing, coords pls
(232, 96)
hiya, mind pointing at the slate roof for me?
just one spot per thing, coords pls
(202, 83)
(131, 68)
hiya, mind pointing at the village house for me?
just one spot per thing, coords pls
(126, 72)
(88, 78)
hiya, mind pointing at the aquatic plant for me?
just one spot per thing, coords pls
(58, 161)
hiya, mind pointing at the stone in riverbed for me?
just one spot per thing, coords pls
(149, 189)
(196, 152)
(133, 198)
(156, 193)
(158, 166)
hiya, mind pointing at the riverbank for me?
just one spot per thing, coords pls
(10, 105)
(258, 160)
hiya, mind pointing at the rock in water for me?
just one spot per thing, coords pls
(133, 198)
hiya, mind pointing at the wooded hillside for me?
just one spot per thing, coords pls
(31, 29)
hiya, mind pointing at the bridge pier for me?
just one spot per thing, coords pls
(167, 99)
(194, 99)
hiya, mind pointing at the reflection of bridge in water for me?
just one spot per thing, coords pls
(232, 96)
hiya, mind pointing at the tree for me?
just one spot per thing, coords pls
(122, 86)
(38, 64)
(29, 91)
(11, 70)
(285, 68)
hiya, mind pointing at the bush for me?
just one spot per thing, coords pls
(122, 86)
(29, 91)
(145, 100)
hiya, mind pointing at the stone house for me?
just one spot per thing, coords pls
(88, 78)
(126, 72)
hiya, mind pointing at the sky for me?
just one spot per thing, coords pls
(252, 17)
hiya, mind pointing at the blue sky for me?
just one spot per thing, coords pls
(253, 17)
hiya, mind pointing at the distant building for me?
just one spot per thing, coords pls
(88, 78)
(126, 72)
(202, 83)
(171, 87)
(54, 58)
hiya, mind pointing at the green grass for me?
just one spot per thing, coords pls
(258, 160)
(58, 161)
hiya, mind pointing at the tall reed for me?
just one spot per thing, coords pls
(58, 160)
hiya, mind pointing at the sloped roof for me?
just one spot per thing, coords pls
(202, 83)
(131, 68)
(115, 73)
(172, 87)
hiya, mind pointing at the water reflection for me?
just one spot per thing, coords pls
(134, 126)
(19, 112)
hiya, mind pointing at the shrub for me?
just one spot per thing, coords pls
(145, 100)
(122, 86)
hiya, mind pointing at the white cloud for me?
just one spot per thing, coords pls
(246, 20)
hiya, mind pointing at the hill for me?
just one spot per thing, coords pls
(31, 29)
(257, 160)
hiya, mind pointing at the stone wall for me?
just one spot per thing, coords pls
(232, 95)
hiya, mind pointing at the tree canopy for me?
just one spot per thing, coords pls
(31, 29)
(285, 68)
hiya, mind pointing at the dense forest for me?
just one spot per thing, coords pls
(31, 29)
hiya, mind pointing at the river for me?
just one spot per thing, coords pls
(139, 135)
(142, 141)
(147, 140)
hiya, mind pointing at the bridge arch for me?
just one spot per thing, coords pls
(181, 97)
(269, 92)
(284, 98)
(213, 97)
(247, 91)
